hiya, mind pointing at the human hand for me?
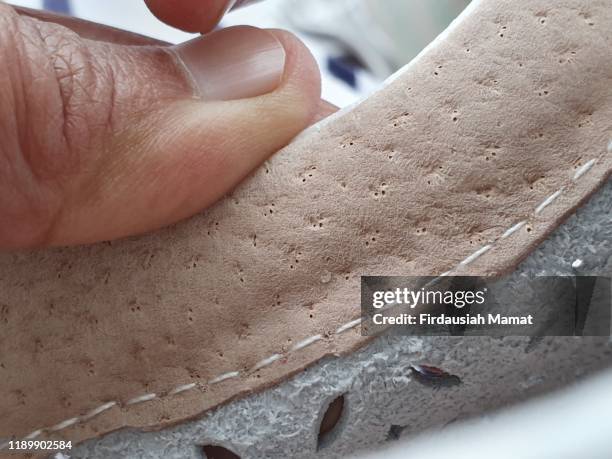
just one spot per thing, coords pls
(107, 134)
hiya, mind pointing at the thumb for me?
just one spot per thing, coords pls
(102, 140)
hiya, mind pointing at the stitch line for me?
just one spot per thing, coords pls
(584, 169)
(33, 435)
(224, 376)
(140, 399)
(347, 326)
(96, 411)
(307, 341)
(548, 201)
(265, 362)
(182, 388)
(476, 254)
(64, 424)
(509, 232)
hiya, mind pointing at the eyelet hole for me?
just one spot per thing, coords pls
(329, 422)
(218, 452)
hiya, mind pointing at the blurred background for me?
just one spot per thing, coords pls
(357, 43)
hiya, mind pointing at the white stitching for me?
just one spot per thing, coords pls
(33, 435)
(96, 411)
(548, 201)
(182, 388)
(224, 376)
(584, 169)
(475, 255)
(308, 341)
(265, 362)
(64, 424)
(509, 232)
(140, 399)
(348, 326)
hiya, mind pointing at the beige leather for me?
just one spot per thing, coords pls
(475, 153)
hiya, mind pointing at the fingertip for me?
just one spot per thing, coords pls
(300, 88)
(190, 15)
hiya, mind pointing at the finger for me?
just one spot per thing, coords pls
(324, 110)
(101, 32)
(91, 30)
(192, 15)
(115, 140)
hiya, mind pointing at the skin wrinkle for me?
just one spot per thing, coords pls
(35, 54)
(76, 72)
(53, 45)
(143, 109)
(29, 196)
(15, 83)
(64, 144)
